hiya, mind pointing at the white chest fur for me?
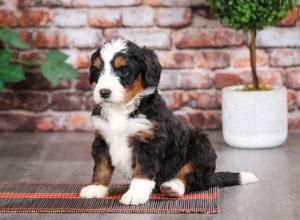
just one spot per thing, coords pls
(116, 129)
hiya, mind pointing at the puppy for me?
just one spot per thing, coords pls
(139, 136)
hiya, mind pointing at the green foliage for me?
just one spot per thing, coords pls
(250, 14)
(55, 67)
(12, 70)
(12, 39)
(8, 72)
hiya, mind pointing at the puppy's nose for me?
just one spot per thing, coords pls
(105, 93)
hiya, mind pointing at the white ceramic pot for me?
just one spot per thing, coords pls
(256, 119)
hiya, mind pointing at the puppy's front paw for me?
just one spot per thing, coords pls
(93, 191)
(132, 197)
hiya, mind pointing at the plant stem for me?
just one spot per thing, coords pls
(253, 59)
(24, 62)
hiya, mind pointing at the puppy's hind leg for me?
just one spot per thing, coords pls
(176, 186)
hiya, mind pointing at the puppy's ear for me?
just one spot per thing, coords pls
(95, 66)
(152, 75)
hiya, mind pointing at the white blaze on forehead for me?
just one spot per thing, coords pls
(109, 49)
(107, 79)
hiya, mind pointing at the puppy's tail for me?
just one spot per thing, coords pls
(223, 179)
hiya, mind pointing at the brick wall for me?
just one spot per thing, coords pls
(199, 56)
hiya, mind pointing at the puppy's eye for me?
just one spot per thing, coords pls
(123, 71)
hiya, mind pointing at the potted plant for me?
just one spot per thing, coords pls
(253, 116)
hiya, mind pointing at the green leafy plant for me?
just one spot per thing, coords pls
(53, 67)
(251, 15)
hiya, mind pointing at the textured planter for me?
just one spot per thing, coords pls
(254, 119)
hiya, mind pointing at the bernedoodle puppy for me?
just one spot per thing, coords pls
(139, 136)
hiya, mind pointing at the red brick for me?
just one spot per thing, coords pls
(203, 38)
(25, 3)
(290, 19)
(186, 79)
(51, 39)
(24, 100)
(212, 59)
(227, 78)
(78, 59)
(105, 3)
(36, 81)
(293, 78)
(175, 99)
(199, 79)
(8, 18)
(79, 121)
(269, 77)
(266, 76)
(241, 58)
(278, 37)
(203, 18)
(169, 79)
(83, 82)
(31, 101)
(204, 100)
(21, 121)
(155, 38)
(138, 17)
(294, 121)
(105, 18)
(175, 3)
(181, 115)
(236, 77)
(70, 18)
(82, 61)
(32, 55)
(55, 3)
(176, 59)
(89, 38)
(173, 17)
(298, 99)
(291, 102)
(34, 18)
(67, 101)
(89, 101)
(201, 119)
(6, 100)
(47, 3)
(26, 36)
(284, 57)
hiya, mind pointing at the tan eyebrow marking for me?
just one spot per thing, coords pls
(119, 62)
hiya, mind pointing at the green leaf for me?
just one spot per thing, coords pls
(55, 67)
(10, 73)
(12, 39)
(5, 56)
(1, 86)
(56, 56)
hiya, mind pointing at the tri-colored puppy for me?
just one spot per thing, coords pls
(139, 136)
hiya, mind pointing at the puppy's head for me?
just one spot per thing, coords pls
(121, 70)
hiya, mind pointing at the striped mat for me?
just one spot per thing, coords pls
(61, 197)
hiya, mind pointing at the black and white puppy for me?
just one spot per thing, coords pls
(138, 135)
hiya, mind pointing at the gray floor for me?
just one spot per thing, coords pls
(66, 156)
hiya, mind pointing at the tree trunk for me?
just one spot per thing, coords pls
(253, 60)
